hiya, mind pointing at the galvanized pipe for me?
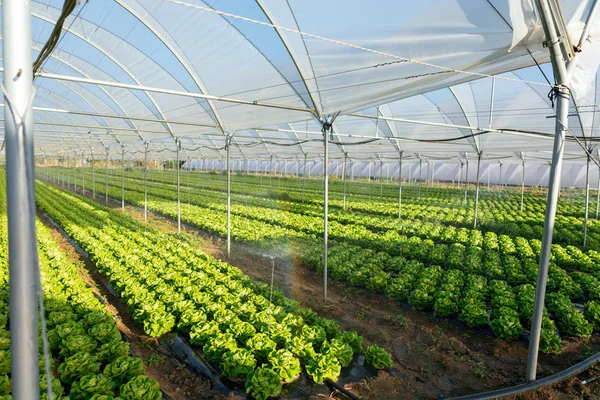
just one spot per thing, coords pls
(344, 177)
(178, 148)
(325, 206)
(106, 179)
(598, 194)
(466, 181)
(562, 109)
(477, 191)
(93, 175)
(146, 181)
(123, 178)
(228, 148)
(587, 200)
(400, 185)
(522, 185)
(20, 195)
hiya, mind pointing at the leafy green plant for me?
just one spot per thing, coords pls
(237, 362)
(90, 385)
(263, 383)
(323, 366)
(141, 388)
(506, 324)
(78, 365)
(378, 357)
(124, 368)
(285, 364)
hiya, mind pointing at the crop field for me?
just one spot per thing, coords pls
(428, 259)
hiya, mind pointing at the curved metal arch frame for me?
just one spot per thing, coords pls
(101, 49)
(131, 123)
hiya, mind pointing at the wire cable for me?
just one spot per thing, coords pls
(55, 36)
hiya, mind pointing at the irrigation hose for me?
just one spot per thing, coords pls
(526, 387)
(334, 386)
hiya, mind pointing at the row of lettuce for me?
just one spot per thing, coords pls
(374, 263)
(88, 357)
(495, 215)
(170, 286)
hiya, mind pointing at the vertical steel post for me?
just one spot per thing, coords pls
(82, 173)
(20, 195)
(304, 179)
(326, 127)
(228, 149)
(344, 177)
(270, 171)
(500, 179)
(106, 178)
(93, 175)
(380, 177)
(562, 109)
(122, 178)
(177, 148)
(598, 194)
(189, 170)
(522, 184)
(400, 185)
(146, 143)
(587, 199)
(74, 171)
(477, 191)
(420, 175)
(466, 181)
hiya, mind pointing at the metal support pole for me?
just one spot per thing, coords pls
(598, 194)
(344, 177)
(304, 179)
(466, 181)
(178, 147)
(189, 170)
(74, 171)
(400, 185)
(522, 184)
(82, 174)
(106, 178)
(562, 109)
(298, 172)
(228, 148)
(500, 180)
(380, 177)
(270, 172)
(123, 178)
(587, 199)
(420, 175)
(146, 181)
(93, 175)
(20, 194)
(326, 127)
(477, 191)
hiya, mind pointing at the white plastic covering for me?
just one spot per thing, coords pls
(470, 65)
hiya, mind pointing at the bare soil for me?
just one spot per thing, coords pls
(433, 358)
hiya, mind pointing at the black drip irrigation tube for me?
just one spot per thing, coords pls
(334, 386)
(527, 387)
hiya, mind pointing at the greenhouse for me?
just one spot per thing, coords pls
(293, 199)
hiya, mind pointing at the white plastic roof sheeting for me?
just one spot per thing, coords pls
(429, 61)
